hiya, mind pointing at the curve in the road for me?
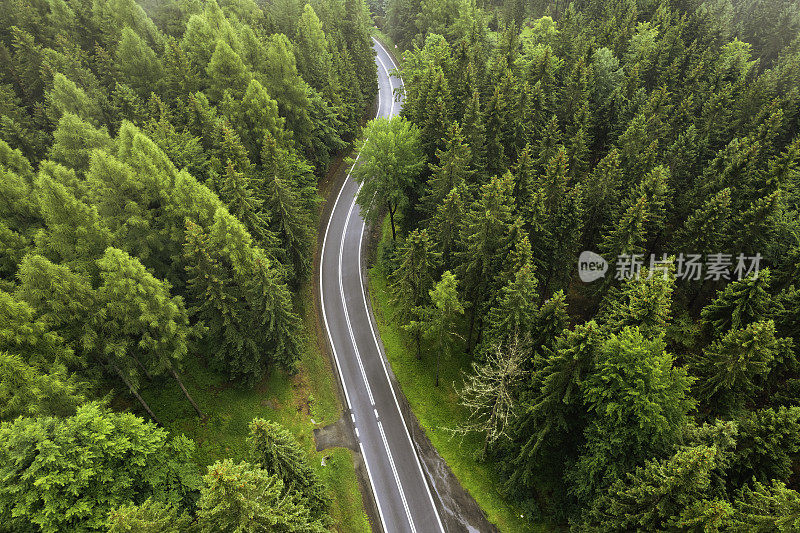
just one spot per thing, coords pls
(401, 490)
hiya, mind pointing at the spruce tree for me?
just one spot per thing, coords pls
(658, 495)
(483, 233)
(274, 448)
(440, 327)
(739, 304)
(735, 368)
(414, 278)
(244, 498)
(452, 171)
(637, 401)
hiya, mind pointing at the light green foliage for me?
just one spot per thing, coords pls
(390, 161)
(226, 71)
(27, 391)
(67, 97)
(440, 319)
(244, 498)
(139, 67)
(152, 516)
(138, 319)
(74, 141)
(74, 470)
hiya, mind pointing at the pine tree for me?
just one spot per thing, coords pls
(414, 278)
(658, 495)
(638, 403)
(644, 302)
(274, 448)
(314, 59)
(601, 190)
(474, 131)
(64, 300)
(443, 313)
(236, 192)
(707, 227)
(627, 236)
(259, 118)
(436, 116)
(245, 498)
(138, 65)
(557, 224)
(452, 171)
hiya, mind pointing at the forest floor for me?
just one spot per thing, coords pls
(438, 410)
(301, 403)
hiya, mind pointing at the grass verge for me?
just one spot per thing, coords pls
(300, 403)
(438, 409)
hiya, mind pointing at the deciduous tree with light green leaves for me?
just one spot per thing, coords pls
(389, 163)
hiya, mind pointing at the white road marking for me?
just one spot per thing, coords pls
(352, 337)
(378, 346)
(346, 313)
(396, 477)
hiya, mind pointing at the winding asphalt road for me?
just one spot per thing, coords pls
(404, 499)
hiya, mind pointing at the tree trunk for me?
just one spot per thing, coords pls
(136, 394)
(144, 369)
(186, 393)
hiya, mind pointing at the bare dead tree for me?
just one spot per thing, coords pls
(489, 392)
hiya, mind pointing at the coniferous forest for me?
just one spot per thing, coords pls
(663, 136)
(159, 202)
(594, 203)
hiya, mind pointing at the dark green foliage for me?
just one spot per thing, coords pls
(278, 453)
(638, 403)
(662, 495)
(763, 507)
